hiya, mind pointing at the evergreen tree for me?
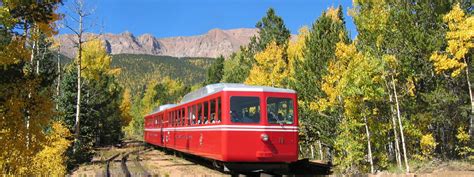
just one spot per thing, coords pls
(66, 105)
(101, 121)
(237, 67)
(215, 71)
(271, 28)
(320, 45)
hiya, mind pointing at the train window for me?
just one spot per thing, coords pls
(190, 113)
(183, 117)
(245, 109)
(195, 114)
(206, 113)
(280, 110)
(178, 117)
(212, 108)
(219, 110)
(161, 120)
(199, 113)
(173, 116)
(170, 115)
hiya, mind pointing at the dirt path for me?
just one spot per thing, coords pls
(159, 163)
(155, 162)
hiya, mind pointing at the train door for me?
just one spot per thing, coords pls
(280, 118)
(161, 129)
(243, 115)
(166, 129)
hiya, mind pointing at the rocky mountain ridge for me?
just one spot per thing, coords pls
(212, 44)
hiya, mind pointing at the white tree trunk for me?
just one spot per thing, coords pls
(78, 103)
(28, 117)
(37, 60)
(471, 117)
(395, 133)
(321, 157)
(369, 149)
(400, 125)
(312, 151)
(58, 86)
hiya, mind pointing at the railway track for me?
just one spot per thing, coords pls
(302, 167)
(120, 165)
(135, 160)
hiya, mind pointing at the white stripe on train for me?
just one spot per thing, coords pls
(229, 128)
(226, 129)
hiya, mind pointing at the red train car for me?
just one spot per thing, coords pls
(230, 124)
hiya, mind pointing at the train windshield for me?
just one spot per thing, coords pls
(280, 110)
(245, 109)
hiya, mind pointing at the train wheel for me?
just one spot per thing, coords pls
(218, 165)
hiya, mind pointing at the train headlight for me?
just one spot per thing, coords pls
(264, 137)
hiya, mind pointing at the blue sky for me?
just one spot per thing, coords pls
(166, 18)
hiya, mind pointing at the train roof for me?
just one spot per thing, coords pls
(214, 88)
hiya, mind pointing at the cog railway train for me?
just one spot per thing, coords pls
(231, 125)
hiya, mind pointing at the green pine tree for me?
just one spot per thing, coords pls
(215, 71)
(325, 33)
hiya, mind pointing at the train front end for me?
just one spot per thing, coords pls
(262, 126)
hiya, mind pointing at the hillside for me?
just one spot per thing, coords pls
(212, 44)
(138, 69)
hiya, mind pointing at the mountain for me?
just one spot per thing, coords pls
(212, 44)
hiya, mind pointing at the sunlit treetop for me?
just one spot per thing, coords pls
(96, 60)
(333, 13)
(460, 40)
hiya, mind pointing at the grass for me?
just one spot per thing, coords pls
(434, 165)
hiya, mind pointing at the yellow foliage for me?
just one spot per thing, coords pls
(295, 51)
(462, 135)
(95, 60)
(52, 160)
(270, 68)
(148, 101)
(23, 143)
(365, 17)
(6, 18)
(391, 61)
(427, 145)
(333, 13)
(13, 53)
(334, 82)
(125, 107)
(296, 48)
(460, 41)
(464, 148)
(411, 87)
